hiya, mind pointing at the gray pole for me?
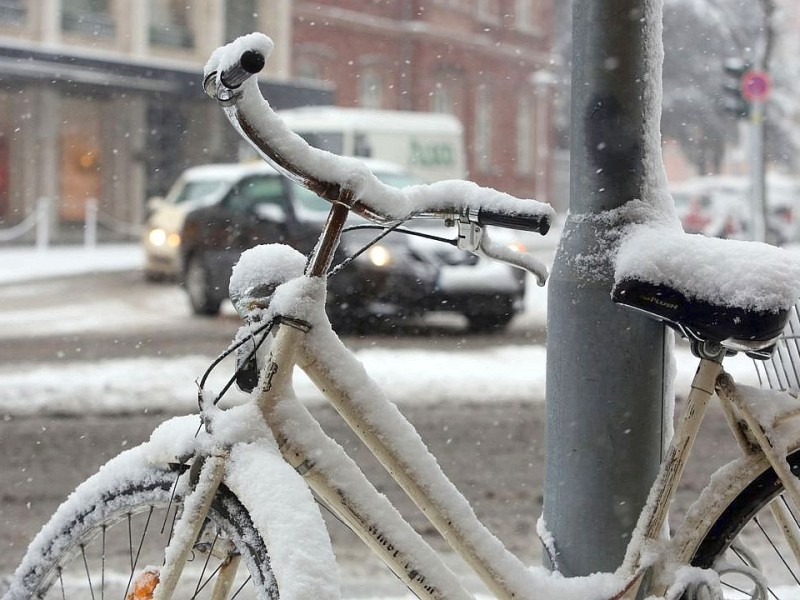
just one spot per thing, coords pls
(605, 364)
(758, 164)
(758, 171)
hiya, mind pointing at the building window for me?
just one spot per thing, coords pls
(87, 17)
(482, 146)
(441, 100)
(447, 90)
(170, 24)
(523, 14)
(488, 10)
(240, 18)
(525, 135)
(370, 89)
(308, 69)
(12, 12)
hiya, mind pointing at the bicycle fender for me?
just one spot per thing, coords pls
(276, 496)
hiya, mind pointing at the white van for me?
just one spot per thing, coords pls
(429, 145)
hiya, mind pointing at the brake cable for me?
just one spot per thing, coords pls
(396, 227)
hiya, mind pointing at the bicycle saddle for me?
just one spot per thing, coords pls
(738, 328)
(736, 293)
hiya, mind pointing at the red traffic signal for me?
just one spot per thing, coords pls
(755, 86)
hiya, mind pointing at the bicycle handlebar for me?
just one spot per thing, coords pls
(250, 63)
(538, 223)
(345, 180)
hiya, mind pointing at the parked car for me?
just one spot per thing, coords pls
(402, 275)
(719, 206)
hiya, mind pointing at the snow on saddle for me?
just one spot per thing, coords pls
(733, 292)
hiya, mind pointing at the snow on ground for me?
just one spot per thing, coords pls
(495, 374)
(24, 263)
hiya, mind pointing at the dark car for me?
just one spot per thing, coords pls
(261, 206)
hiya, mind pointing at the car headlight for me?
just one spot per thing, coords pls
(159, 237)
(379, 255)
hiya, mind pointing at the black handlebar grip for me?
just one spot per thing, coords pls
(537, 223)
(250, 63)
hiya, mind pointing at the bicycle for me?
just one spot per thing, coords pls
(232, 495)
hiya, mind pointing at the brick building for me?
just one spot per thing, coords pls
(487, 62)
(101, 98)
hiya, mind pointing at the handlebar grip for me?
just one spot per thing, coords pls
(250, 63)
(537, 223)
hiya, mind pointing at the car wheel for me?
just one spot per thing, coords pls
(487, 322)
(155, 277)
(202, 296)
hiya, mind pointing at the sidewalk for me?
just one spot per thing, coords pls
(22, 263)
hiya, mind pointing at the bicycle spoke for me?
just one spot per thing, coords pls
(61, 583)
(103, 566)
(735, 589)
(777, 551)
(200, 587)
(86, 567)
(200, 584)
(789, 508)
(241, 587)
(172, 493)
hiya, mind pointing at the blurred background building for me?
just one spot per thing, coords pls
(487, 62)
(102, 99)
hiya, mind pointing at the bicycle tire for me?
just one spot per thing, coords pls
(138, 511)
(746, 522)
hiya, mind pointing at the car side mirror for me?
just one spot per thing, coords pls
(270, 212)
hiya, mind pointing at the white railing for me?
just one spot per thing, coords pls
(39, 221)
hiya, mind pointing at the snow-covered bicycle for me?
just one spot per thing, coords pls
(225, 504)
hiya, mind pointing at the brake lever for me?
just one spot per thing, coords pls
(474, 238)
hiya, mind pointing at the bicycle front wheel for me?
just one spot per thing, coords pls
(747, 543)
(104, 547)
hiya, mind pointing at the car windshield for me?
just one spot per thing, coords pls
(194, 190)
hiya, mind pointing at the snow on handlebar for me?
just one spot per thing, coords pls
(341, 179)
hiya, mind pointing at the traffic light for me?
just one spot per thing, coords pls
(734, 102)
